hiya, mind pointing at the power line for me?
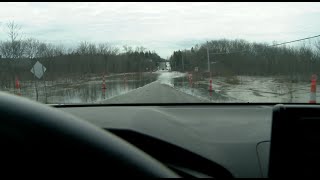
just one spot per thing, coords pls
(296, 40)
(288, 42)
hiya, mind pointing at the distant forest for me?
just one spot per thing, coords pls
(239, 57)
(19, 54)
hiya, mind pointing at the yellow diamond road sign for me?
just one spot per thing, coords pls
(38, 69)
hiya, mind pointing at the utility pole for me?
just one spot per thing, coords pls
(210, 81)
(182, 63)
(208, 57)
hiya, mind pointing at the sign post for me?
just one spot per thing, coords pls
(38, 71)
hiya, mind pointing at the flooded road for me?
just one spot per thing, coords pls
(160, 91)
(201, 89)
(224, 89)
(242, 89)
(197, 87)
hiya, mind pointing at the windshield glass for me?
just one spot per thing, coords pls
(153, 52)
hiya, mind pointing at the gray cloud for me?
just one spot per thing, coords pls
(165, 26)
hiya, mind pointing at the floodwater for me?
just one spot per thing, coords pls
(201, 90)
(243, 89)
(194, 85)
(90, 90)
(85, 91)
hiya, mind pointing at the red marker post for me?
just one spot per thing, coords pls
(18, 87)
(313, 96)
(210, 87)
(103, 83)
(103, 93)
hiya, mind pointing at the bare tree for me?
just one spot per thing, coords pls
(127, 49)
(92, 49)
(140, 49)
(317, 46)
(5, 49)
(83, 48)
(59, 50)
(102, 48)
(70, 51)
(51, 50)
(17, 47)
(107, 49)
(32, 48)
(42, 48)
(114, 51)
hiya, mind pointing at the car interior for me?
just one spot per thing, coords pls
(159, 89)
(35, 135)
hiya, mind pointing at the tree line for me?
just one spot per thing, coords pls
(18, 55)
(240, 57)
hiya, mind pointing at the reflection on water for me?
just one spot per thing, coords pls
(93, 92)
(74, 91)
(87, 91)
(199, 88)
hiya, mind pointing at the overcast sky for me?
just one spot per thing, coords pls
(163, 27)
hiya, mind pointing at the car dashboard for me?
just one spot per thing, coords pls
(193, 140)
(183, 162)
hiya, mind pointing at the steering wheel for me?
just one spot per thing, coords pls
(37, 138)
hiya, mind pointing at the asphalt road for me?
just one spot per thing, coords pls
(155, 92)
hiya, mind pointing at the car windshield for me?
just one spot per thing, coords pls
(160, 52)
